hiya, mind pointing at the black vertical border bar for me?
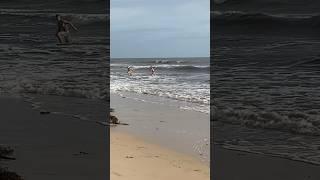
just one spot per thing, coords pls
(211, 94)
(107, 150)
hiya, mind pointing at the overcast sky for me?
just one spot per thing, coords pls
(160, 28)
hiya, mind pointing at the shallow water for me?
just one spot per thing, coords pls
(266, 83)
(160, 121)
(182, 79)
(32, 62)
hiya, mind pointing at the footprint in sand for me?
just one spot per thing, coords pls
(117, 174)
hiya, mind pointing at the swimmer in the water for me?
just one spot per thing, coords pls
(63, 33)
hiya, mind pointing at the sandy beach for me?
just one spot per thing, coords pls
(161, 121)
(51, 146)
(135, 159)
(152, 145)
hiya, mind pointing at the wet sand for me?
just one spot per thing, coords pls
(161, 142)
(237, 165)
(164, 123)
(50, 146)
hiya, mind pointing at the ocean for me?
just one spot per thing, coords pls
(266, 79)
(173, 105)
(33, 65)
(183, 80)
(73, 80)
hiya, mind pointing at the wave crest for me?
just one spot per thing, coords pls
(32, 87)
(176, 67)
(79, 18)
(167, 62)
(307, 123)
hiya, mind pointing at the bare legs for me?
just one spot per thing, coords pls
(63, 37)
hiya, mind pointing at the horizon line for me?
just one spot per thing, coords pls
(160, 57)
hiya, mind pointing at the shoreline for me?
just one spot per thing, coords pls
(234, 164)
(51, 146)
(159, 142)
(270, 155)
(163, 124)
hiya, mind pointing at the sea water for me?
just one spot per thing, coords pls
(265, 73)
(181, 79)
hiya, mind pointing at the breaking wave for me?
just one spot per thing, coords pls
(51, 88)
(176, 67)
(79, 18)
(306, 123)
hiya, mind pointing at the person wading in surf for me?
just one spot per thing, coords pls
(63, 33)
(130, 71)
(152, 70)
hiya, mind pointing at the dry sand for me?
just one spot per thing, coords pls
(135, 159)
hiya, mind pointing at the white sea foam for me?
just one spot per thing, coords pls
(186, 86)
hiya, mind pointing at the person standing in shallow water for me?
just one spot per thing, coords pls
(152, 69)
(63, 33)
(129, 71)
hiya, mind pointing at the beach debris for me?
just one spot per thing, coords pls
(115, 121)
(5, 151)
(7, 158)
(4, 173)
(7, 175)
(129, 157)
(45, 112)
(81, 153)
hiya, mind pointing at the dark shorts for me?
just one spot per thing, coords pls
(65, 36)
